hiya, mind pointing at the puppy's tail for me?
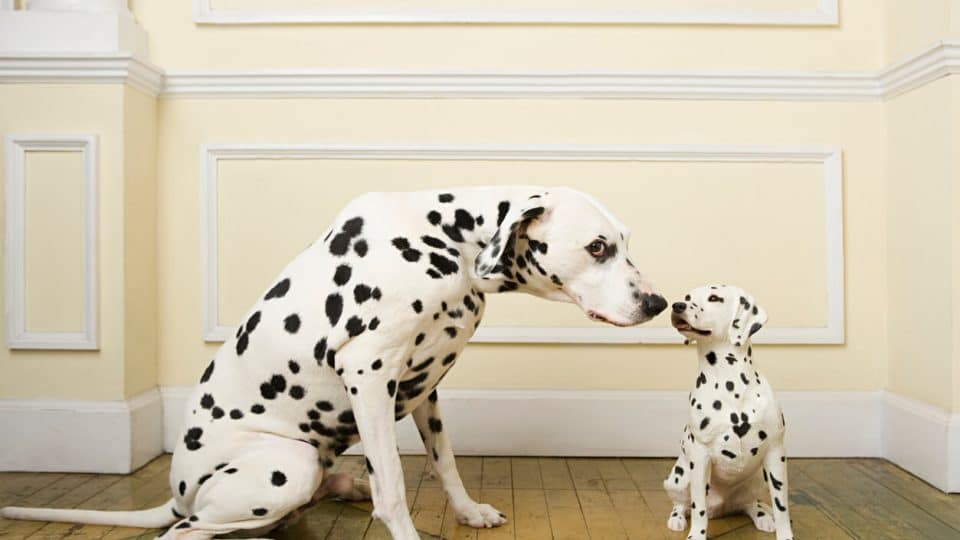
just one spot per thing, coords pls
(153, 518)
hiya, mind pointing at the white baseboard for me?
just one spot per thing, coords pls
(81, 436)
(120, 436)
(610, 423)
(922, 439)
(174, 402)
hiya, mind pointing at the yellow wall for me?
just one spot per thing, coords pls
(140, 242)
(913, 25)
(855, 127)
(176, 43)
(73, 374)
(897, 174)
(954, 115)
(923, 174)
(53, 266)
(125, 363)
(919, 261)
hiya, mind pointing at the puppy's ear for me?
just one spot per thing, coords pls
(512, 221)
(749, 319)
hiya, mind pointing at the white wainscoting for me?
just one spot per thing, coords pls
(18, 336)
(820, 13)
(81, 436)
(829, 158)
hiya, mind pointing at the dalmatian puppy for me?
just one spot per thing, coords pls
(736, 426)
(355, 334)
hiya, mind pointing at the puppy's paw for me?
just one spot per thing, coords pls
(479, 516)
(676, 522)
(762, 517)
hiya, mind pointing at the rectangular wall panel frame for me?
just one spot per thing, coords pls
(16, 147)
(825, 13)
(829, 158)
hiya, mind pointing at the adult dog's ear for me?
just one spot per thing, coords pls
(749, 319)
(512, 221)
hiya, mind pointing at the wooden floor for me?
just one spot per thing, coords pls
(543, 497)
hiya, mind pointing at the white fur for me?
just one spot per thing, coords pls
(736, 426)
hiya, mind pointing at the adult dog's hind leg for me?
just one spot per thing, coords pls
(252, 492)
(440, 453)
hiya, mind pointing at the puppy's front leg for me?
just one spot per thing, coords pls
(372, 399)
(699, 486)
(439, 451)
(775, 474)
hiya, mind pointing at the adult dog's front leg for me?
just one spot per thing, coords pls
(437, 445)
(372, 399)
(775, 474)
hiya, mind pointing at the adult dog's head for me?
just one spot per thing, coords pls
(718, 313)
(563, 245)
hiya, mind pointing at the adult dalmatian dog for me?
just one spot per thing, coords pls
(736, 426)
(356, 333)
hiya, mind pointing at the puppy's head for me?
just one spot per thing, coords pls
(718, 313)
(564, 245)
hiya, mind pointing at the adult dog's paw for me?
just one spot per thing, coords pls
(765, 523)
(479, 516)
(762, 517)
(677, 522)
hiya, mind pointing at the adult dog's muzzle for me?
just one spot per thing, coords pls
(652, 304)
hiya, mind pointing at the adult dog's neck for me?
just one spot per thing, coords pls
(478, 213)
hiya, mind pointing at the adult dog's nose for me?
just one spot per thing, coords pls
(679, 307)
(653, 304)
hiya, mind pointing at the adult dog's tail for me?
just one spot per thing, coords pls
(153, 518)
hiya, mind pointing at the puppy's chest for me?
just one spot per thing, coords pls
(735, 421)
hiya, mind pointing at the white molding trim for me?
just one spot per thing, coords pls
(18, 337)
(81, 69)
(922, 439)
(82, 436)
(828, 157)
(826, 13)
(936, 61)
(939, 60)
(609, 422)
(332, 83)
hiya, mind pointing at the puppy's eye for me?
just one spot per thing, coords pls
(714, 298)
(597, 248)
(687, 298)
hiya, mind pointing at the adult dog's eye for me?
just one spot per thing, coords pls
(597, 248)
(714, 298)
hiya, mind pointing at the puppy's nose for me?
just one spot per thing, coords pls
(679, 307)
(653, 304)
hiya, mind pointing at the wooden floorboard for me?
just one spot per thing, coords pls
(544, 498)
